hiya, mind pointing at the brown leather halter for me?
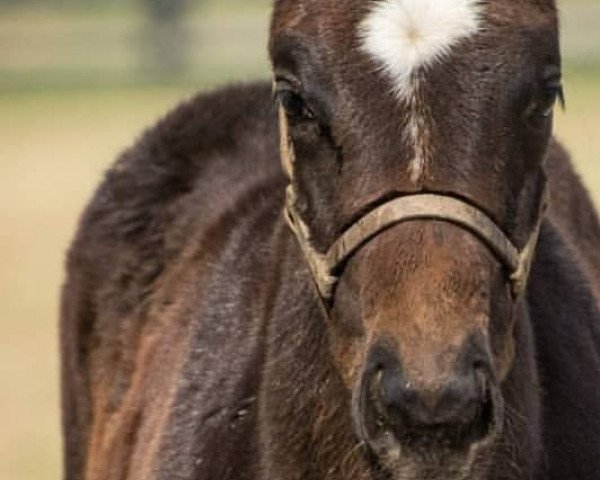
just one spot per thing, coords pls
(423, 206)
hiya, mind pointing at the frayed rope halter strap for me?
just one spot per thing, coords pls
(425, 206)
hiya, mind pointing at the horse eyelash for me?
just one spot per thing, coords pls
(562, 98)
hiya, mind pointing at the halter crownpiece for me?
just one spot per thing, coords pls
(423, 206)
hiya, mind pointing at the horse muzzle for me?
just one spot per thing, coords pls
(452, 416)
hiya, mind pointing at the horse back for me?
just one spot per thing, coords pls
(565, 313)
(572, 212)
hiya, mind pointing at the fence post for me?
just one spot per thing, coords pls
(165, 40)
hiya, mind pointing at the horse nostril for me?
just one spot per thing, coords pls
(460, 411)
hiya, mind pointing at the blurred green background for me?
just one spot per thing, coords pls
(79, 80)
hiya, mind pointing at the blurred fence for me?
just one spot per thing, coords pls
(200, 42)
(64, 43)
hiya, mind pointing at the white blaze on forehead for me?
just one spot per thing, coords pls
(406, 35)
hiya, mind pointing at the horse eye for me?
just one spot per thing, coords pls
(294, 105)
(552, 93)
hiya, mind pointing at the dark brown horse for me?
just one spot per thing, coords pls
(395, 331)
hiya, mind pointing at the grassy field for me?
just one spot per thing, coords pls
(55, 142)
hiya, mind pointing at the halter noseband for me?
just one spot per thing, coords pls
(425, 206)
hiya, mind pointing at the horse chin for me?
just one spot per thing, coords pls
(404, 464)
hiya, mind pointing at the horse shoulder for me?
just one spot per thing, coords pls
(566, 321)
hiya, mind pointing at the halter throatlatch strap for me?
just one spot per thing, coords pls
(424, 206)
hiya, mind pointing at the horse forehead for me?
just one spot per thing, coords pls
(403, 36)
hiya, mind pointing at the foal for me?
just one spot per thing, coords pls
(391, 324)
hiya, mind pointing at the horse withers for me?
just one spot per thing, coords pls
(426, 307)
